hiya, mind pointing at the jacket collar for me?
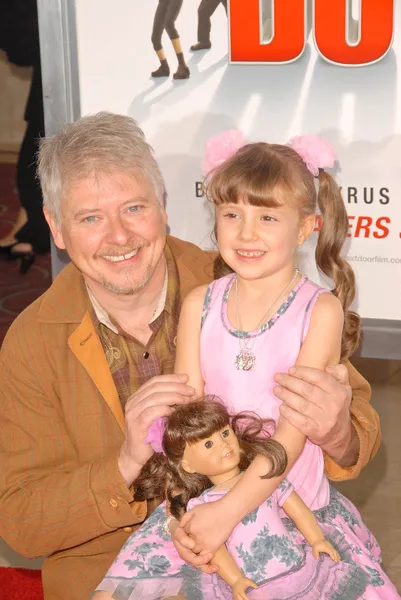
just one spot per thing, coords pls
(66, 301)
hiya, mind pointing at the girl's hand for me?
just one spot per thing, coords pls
(208, 525)
(239, 588)
(184, 546)
(327, 548)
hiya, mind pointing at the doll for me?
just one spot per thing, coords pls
(203, 454)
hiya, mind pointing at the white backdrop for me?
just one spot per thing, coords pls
(357, 109)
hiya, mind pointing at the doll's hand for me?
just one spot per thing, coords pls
(239, 588)
(327, 548)
(208, 525)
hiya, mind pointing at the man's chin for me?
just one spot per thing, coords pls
(119, 290)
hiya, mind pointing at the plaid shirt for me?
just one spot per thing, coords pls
(132, 363)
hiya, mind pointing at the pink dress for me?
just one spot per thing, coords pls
(276, 349)
(265, 545)
(276, 346)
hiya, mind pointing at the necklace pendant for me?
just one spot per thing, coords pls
(245, 360)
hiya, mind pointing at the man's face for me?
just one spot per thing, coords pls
(114, 230)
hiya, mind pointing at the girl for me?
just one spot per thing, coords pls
(202, 445)
(166, 15)
(264, 316)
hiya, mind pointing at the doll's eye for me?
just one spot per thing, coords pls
(226, 433)
(208, 444)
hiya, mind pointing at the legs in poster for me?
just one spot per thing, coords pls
(165, 17)
(205, 11)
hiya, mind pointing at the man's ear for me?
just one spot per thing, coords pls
(186, 466)
(55, 229)
(306, 228)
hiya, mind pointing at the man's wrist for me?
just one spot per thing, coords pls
(129, 469)
(346, 452)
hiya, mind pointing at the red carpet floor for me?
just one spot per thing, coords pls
(16, 291)
(20, 584)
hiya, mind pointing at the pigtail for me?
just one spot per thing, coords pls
(254, 438)
(329, 260)
(151, 481)
(181, 487)
(161, 478)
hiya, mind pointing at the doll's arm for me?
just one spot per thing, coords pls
(187, 358)
(307, 524)
(232, 574)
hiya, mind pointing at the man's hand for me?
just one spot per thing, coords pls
(317, 403)
(208, 525)
(184, 546)
(156, 398)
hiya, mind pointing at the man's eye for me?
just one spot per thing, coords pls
(226, 433)
(90, 219)
(134, 209)
(208, 444)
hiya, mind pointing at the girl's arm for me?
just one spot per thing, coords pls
(305, 521)
(187, 358)
(232, 574)
(211, 526)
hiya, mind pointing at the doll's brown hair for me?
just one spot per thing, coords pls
(263, 175)
(163, 474)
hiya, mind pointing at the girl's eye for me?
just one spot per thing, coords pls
(226, 433)
(268, 218)
(231, 216)
(208, 444)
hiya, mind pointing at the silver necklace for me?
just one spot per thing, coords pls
(245, 360)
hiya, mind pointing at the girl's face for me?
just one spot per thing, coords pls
(213, 456)
(258, 242)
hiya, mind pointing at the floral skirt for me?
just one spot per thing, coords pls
(269, 550)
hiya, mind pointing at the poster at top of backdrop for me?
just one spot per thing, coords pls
(272, 69)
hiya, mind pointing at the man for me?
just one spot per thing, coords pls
(88, 366)
(205, 11)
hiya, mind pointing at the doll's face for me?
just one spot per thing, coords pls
(213, 456)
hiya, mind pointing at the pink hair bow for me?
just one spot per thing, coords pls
(220, 148)
(315, 152)
(155, 434)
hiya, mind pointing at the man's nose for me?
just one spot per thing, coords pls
(118, 231)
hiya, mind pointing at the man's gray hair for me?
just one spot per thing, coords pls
(101, 143)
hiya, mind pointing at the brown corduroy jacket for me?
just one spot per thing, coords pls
(61, 428)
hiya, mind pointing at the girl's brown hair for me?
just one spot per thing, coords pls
(264, 175)
(163, 474)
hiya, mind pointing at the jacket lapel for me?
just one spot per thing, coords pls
(85, 344)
